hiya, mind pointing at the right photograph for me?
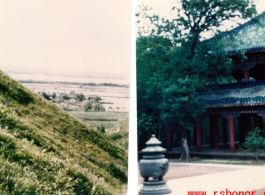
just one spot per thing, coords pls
(200, 69)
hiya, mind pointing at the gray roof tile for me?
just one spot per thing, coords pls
(237, 94)
(248, 36)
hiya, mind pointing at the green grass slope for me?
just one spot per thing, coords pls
(43, 150)
(120, 133)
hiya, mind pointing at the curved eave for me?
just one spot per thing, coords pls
(234, 104)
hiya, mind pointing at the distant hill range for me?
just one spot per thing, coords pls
(74, 83)
(43, 150)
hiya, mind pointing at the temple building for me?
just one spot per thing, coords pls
(243, 100)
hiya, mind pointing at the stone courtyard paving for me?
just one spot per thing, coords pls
(177, 170)
(210, 177)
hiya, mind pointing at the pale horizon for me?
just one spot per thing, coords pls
(67, 76)
(65, 35)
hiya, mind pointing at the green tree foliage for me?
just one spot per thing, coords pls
(255, 142)
(196, 16)
(168, 81)
(101, 128)
(96, 99)
(94, 105)
(88, 106)
(152, 62)
(65, 97)
(81, 97)
(98, 107)
(145, 125)
(54, 95)
(174, 64)
(186, 78)
(117, 108)
(47, 97)
(203, 15)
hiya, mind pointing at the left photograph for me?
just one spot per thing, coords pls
(64, 97)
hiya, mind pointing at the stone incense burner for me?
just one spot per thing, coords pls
(154, 165)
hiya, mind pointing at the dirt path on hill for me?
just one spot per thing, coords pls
(179, 171)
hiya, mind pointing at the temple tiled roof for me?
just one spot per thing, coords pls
(236, 94)
(249, 36)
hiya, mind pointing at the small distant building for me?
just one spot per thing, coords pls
(72, 96)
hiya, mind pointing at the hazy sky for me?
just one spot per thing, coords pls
(83, 35)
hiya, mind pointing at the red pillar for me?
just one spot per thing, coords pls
(169, 143)
(246, 74)
(231, 133)
(198, 136)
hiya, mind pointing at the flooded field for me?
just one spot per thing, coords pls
(114, 99)
(117, 96)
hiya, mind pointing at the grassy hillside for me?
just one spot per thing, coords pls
(120, 133)
(108, 119)
(43, 150)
